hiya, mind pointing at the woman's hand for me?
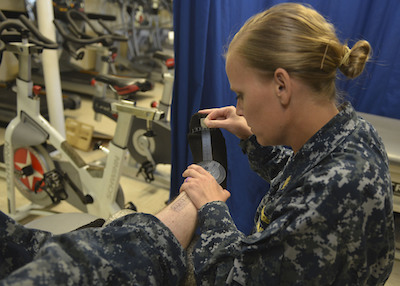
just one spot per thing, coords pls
(201, 187)
(226, 118)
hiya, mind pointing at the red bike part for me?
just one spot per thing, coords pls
(127, 89)
(23, 158)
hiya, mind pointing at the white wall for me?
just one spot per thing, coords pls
(12, 5)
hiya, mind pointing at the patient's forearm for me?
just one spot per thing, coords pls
(180, 217)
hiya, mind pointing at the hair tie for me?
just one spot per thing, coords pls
(346, 56)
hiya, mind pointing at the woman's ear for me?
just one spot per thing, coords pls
(283, 87)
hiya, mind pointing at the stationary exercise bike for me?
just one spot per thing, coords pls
(145, 36)
(102, 45)
(147, 148)
(45, 176)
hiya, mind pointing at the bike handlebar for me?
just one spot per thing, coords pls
(79, 37)
(7, 25)
(23, 26)
(44, 41)
(106, 40)
(70, 14)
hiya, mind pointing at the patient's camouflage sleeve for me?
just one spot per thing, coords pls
(326, 220)
(18, 245)
(133, 250)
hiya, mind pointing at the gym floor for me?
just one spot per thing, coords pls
(149, 198)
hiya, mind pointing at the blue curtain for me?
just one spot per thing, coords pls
(202, 31)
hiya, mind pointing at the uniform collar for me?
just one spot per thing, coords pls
(322, 143)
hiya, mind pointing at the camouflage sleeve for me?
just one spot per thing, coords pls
(225, 256)
(266, 161)
(133, 250)
(219, 242)
(18, 245)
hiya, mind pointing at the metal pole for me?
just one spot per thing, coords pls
(51, 70)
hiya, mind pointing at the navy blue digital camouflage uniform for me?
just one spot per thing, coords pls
(136, 249)
(326, 220)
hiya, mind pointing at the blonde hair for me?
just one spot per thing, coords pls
(300, 40)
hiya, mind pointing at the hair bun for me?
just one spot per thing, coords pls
(353, 60)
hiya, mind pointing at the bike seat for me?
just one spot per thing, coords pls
(124, 85)
(166, 59)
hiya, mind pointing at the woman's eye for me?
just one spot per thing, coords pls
(239, 96)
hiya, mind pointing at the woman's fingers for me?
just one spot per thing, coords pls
(207, 111)
(201, 187)
(194, 169)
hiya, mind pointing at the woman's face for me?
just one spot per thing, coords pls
(256, 100)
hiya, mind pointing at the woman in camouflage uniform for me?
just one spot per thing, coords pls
(327, 218)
